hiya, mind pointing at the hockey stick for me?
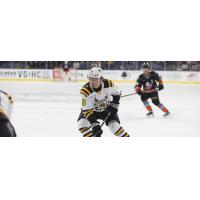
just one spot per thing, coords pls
(7, 95)
(126, 95)
(109, 113)
(151, 91)
(146, 92)
(3, 92)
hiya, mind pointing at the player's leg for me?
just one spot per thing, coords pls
(144, 99)
(115, 127)
(156, 101)
(84, 126)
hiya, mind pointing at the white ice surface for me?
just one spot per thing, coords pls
(52, 109)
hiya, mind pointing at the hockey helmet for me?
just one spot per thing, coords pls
(95, 72)
(146, 65)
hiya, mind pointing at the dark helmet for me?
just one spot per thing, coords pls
(145, 65)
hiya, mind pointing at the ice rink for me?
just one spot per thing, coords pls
(49, 109)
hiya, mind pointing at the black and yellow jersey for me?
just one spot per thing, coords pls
(97, 101)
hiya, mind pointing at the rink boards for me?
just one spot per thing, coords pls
(120, 76)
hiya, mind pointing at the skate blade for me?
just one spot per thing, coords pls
(151, 116)
(166, 115)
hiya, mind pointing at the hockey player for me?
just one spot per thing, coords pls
(6, 128)
(100, 99)
(147, 86)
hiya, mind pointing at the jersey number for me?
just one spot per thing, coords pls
(83, 102)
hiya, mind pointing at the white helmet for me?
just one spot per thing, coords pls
(95, 72)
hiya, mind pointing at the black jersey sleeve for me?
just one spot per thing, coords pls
(155, 75)
(139, 82)
(158, 78)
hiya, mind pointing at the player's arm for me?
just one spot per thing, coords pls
(114, 104)
(160, 81)
(115, 92)
(138, 86)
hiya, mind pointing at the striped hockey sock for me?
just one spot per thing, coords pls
(147, 105)
(163, 108)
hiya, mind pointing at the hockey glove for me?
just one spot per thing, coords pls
(96, 128)
(140, 93)
(138, 90)
(160, 87)
(112, 109)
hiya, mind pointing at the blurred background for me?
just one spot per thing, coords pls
(107, 65)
